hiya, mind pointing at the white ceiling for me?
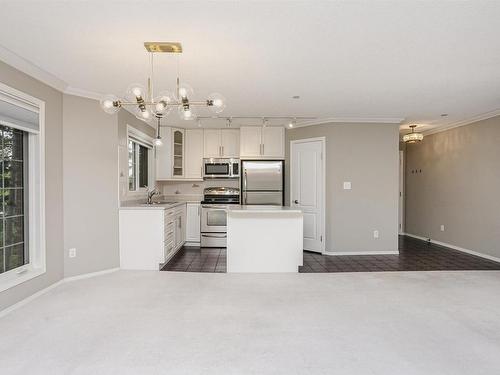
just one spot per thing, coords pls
(347, 60)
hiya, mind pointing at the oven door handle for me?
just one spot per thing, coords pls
(214, 235)
(223, 208)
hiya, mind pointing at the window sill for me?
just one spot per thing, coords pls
(15, 277)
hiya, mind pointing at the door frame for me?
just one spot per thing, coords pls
(401, 195)
(323, 184)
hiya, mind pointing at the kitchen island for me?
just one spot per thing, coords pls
(264, 239)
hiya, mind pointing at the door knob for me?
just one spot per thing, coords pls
(296, 201)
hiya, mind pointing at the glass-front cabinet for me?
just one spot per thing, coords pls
(178, 152)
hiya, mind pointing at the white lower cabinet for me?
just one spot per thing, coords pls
(193, 223)
(150, 237)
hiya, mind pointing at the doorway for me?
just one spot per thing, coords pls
(307, 188)
(401, 208)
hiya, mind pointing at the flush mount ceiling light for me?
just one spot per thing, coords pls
(147, 106)
(413, 137)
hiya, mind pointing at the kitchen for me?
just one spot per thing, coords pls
(211, 186)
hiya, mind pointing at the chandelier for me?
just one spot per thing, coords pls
(413, 137)
(147, 106)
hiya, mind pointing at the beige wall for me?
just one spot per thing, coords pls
(53, 185)
(367, 155)
(458, 187)
(90, 162)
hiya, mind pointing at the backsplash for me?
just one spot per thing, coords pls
(169, 188)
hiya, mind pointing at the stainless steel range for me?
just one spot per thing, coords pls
(214, 215)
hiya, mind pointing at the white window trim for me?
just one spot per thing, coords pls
(147, 141)
(36, 197)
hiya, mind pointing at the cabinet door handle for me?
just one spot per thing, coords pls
(222, 153)
(263, 152)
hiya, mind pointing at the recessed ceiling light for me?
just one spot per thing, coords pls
(296, 97)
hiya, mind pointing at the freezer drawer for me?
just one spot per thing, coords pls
(262, 175)
(274, 198)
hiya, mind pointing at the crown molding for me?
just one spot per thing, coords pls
(82, 93)
(338, 120)
(27, 67)
(457, 124)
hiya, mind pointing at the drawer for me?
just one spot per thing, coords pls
(169, 247)
(169, 237)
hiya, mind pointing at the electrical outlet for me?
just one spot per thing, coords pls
(347, 185)
(72, 252)
(442, 228)
(375, 234)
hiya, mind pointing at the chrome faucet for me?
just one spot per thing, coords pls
(151, 194)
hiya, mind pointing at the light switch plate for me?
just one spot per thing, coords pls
(72, 252)
(347, 185)
(375, 234)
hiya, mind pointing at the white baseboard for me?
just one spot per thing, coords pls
(191, 244)
(91, 274)
(458, 248)
(41, 292)
(28, 299)
(361, 253)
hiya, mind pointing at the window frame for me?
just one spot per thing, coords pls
(140, 139)
(36, 265)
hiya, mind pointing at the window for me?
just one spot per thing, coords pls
(13, 218)
(139, 164)
(22, 184)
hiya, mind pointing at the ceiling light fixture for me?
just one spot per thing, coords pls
(292, 123)
(413, 137)
(146, 106)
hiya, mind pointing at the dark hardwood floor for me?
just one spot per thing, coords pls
(414, 255)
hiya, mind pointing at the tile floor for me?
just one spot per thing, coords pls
(414, 255)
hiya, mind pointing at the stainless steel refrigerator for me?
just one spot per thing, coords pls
(262, 182)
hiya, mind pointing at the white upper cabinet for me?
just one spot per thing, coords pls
(181, 155)
(178, 143)
(230, 142)
(164, 155)
(221, 143)
(211, 143)
(250, 141)
(273, 142)
(193, 154)
(259, 142)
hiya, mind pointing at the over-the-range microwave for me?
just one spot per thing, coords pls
(221, 168)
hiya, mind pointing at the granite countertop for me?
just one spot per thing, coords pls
(262, 209)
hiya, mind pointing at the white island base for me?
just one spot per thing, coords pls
(264, 239)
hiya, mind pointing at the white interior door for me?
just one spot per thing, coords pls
(307, 189)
